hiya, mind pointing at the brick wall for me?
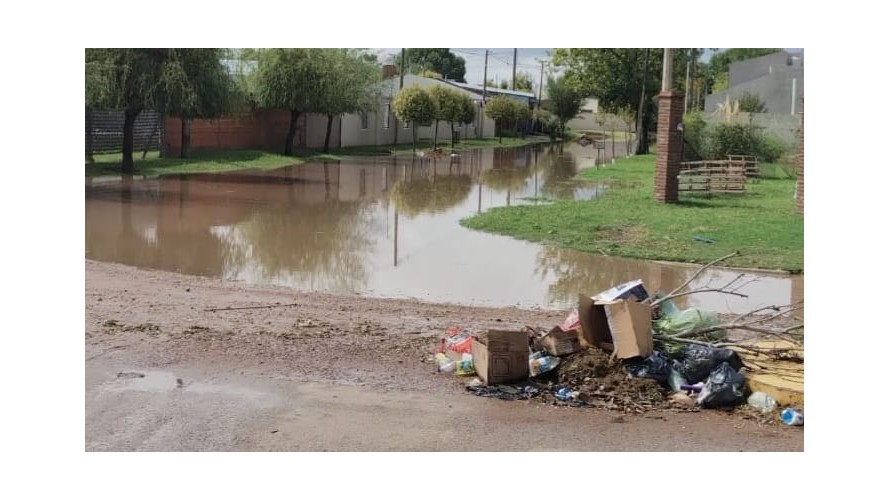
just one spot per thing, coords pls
(670, 145)
(261, 129)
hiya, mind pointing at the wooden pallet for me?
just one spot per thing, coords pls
(752, 164)
(712, 176)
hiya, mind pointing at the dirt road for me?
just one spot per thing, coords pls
(321, 372)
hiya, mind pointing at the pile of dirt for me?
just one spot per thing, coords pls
(602, 381)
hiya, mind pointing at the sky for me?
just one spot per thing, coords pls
(500, 62)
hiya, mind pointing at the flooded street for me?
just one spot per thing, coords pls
(382, 227)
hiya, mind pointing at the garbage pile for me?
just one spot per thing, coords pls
(604, 356)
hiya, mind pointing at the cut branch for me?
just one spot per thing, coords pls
(695, 275)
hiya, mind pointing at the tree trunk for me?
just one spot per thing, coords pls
(291, 132)
(186, 146)
(129, 125)
(327, 136)
(436, 135)
(452, 135)
(414, 138)
(642, 135)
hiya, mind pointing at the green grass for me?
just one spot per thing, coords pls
(216, 161)
(761, 224)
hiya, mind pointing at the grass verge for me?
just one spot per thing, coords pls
(626, 221)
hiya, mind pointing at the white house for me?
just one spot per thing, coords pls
(378, 128)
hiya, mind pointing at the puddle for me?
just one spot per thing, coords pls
(383, 226)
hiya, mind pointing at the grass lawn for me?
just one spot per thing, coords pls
(216, 161)
(626, 221)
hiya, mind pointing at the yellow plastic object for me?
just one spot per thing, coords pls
(781, 379)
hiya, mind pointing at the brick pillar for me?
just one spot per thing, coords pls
(800, 164)
(670, 145)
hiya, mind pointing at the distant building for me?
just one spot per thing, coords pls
(777, 79)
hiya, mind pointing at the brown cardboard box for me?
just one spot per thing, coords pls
(558, 342)
(501, 356)
(623, 326)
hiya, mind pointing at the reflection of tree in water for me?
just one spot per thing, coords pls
(558, 168)
(142, 237)
(573, 272)
(324, 245)
(431, 194)
(510, 170)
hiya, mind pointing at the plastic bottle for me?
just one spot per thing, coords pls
(762, 401)
(791, 417)
(444, 364)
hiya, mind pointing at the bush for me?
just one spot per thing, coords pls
(695, 132)
(739, 139)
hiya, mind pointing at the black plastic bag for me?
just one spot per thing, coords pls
(695, 362)
(656, 366)
(725, 387)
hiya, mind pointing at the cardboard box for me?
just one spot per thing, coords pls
(623, 326)
(559, 342)
(501, 356)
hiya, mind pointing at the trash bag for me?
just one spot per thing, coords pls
(465, 366)
(656, 366)
(674, 321)
(725, 387)
(695, 362)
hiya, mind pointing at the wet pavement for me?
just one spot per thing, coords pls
(384, 227)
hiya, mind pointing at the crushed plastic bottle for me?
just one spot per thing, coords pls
(539, 363)
(762, 402)
(444, 364)
(791, 417)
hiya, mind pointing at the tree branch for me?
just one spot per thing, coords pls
(674, 292)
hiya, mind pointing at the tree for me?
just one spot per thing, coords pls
(198, 86)
(621, 78)
(289, 79)
(130, 79)
(524, 81)
(565, 100)
(442, 61)
(467, 114)
(751, 103)
(448, 108)
(415, 105)
(503, 111)
(347, 81)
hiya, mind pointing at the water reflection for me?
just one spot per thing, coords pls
(385, 226)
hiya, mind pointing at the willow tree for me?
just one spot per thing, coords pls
(198, 86)
(348, 78)
(132, 80)
(290, 79)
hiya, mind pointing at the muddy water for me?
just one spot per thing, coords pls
(384, 227)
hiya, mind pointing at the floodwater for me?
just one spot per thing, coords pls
(385, 227)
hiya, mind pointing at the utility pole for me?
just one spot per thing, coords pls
(484, 92)
(541, 84)
(514, 68)
(395, 140)
(686, 87)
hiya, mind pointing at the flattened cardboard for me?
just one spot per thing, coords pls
(501, 356)
(623, 327)
(558, 342)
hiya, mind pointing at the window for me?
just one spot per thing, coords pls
(364, 121)
(386, 113)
